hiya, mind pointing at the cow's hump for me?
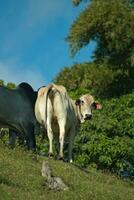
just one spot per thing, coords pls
(30, 93)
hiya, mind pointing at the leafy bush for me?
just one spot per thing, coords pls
(108, 139)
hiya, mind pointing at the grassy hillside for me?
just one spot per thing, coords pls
(20, 178)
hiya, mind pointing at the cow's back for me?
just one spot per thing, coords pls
(29, 92)
(16, 108)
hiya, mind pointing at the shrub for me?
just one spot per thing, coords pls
(108, 139)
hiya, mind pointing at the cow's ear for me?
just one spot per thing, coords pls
(96, 105)
(77, 102)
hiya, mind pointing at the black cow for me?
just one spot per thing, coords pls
(17, 112)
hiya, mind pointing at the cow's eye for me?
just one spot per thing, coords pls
(82, 102)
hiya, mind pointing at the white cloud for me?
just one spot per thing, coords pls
(11, 72)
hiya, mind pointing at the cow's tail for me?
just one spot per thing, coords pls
(46, 94)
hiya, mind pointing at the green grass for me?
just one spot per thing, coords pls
(20, 178)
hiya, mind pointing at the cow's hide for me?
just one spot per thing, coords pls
(58, 113)
(17, 111)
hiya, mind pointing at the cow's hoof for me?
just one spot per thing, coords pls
(70, 161)
(60, 158)
(50, 155)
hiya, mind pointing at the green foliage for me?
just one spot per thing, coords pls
(85, 78)
(9, 85)
(97, 79)
(42, 145)
(108, 140)
(110, 24)
(1, 83)
(76, 2)
(127, 2)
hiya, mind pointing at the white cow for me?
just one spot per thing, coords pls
(62, 115)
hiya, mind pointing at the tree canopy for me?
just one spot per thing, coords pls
(9, 85)
(110, 24)
(77, 2)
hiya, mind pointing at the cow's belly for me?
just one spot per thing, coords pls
(17, 121)
(10, 125)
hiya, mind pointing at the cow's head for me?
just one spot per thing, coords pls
(85, 105)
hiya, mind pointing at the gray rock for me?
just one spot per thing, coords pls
(52, 182)
(56, 183)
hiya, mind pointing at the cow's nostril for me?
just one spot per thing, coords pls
(88, 116)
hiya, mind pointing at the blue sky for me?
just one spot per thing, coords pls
(32, 40)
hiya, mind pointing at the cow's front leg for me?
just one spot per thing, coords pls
(30, 137)
(71, 142)
(12, 138)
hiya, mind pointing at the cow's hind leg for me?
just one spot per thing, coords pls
(61, 138)
(50, 137)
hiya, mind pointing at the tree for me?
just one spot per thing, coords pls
(87, 77)
(1, 83)
(98, 79)
(111, 25)
(77, 2)
(11, 85)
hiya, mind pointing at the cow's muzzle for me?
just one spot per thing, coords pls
(88, 116)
